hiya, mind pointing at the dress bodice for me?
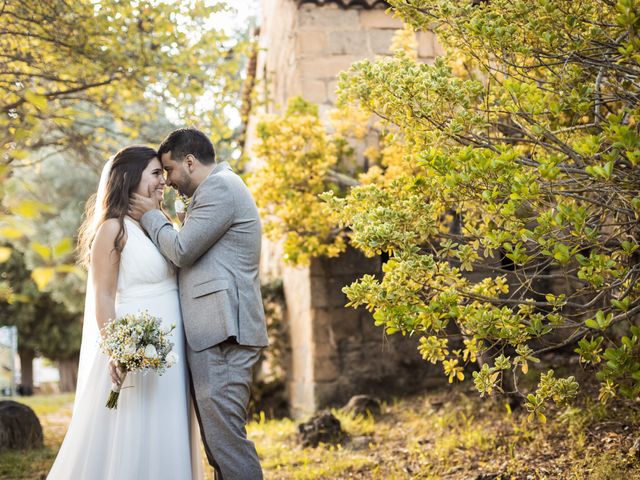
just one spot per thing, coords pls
(143, 270)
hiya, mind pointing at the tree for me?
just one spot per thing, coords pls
(83, 78)
(66, 62)
(45, 327)
(505, 191)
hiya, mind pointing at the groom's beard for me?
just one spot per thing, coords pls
(186, 187)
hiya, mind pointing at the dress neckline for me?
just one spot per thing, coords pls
(135, 223)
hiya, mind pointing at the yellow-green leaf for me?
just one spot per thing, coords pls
(69, 268)
(5, 254)
(42, 276)
(63, 247)
(10, 233)
(42, 250)
(30, 209)
(19, 154)
(39, 101)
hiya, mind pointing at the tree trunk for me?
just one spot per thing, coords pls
(68, 374)
(26, 367)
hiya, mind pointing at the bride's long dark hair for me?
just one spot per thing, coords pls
(124, 177)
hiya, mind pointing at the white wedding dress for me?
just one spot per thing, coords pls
(152, 434)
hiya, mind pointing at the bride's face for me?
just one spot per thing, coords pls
(152, 182)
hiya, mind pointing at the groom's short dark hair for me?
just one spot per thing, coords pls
(185, 141)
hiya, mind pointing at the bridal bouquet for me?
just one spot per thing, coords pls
(138, 344)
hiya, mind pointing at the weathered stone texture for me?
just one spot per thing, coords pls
(315, 90)
(380, 41)
(329, 17)
(379, 18)
(326, 67)
(348, 340)
(312, 43)
(346, 42)
(426, 45)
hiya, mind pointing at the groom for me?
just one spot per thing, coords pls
(218, 254)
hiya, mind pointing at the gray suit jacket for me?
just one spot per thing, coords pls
(218, 253)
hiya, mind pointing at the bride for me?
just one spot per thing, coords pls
(151, 435)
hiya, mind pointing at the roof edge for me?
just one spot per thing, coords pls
(346, 4)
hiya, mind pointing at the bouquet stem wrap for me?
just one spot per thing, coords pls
(114, 394)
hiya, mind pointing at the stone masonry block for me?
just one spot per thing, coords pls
(312, 17)
(312, 43)
(369, 329)
(327, 292)
(334, 325)
(319, 292)
(322, 329)
(426, 48)
(380, 41)
(327, 393)
(378, 18)
(351, 263)
(326, 67)
(438, 48)
(346, 326)
(347, 42)
(332, 95)
(365, 364)
(314, 90)
(324, 350)
(327, 369)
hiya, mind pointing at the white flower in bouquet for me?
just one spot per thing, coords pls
(137, 343)
(172, 359)
(150, 351)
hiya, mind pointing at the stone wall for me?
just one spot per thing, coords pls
(329, 39)
(336, 351)
(351, 355)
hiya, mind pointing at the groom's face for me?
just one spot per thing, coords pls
(177, 175)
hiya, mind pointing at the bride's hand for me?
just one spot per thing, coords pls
(116, 372)
(139, 205)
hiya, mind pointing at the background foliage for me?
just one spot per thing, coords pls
(78, 81)
(505, 190)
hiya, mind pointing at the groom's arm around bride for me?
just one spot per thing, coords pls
(218, 254)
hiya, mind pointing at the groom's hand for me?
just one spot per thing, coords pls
(139, 205)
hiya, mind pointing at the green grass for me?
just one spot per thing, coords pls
(449, 434)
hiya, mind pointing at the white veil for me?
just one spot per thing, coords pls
(90, 333)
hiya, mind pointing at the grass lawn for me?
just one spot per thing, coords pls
(447, 434)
